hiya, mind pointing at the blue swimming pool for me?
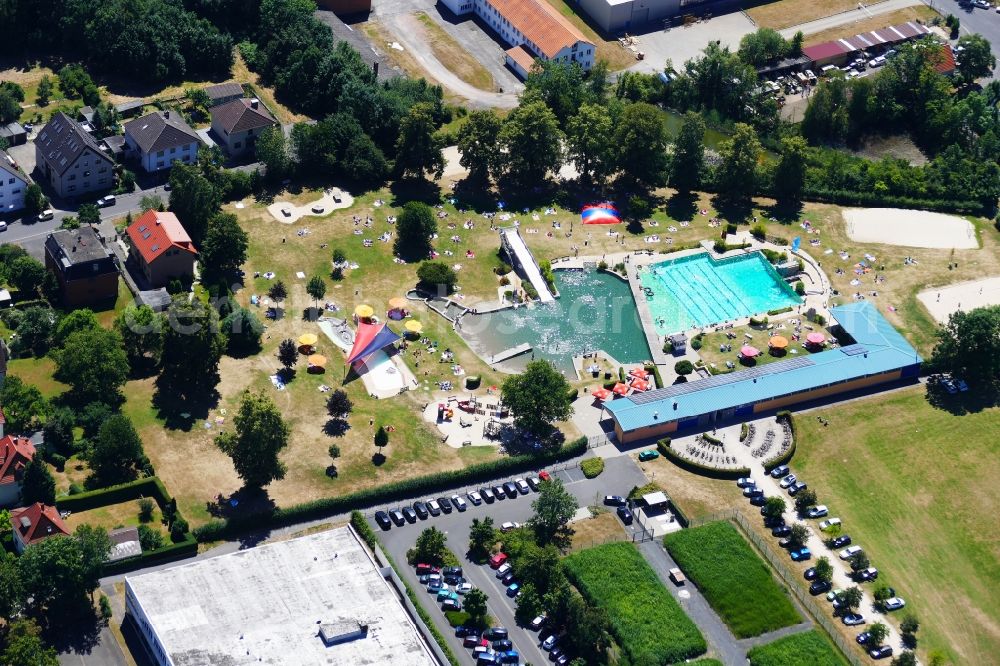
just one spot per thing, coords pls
(698, 290)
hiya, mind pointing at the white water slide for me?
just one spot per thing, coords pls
(523, 256)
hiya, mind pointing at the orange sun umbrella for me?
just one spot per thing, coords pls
(639, 372)
(640, 385)
(620, 389)
(318, 360)
(397, 303)
(601, 393)
(778, 342)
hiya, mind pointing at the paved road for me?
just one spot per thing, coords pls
(844, 18)
(973, 20)
(105, 653)
(620, 475)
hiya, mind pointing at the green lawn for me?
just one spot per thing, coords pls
(645, 619)
(736, 582)
(917, 486)
(809, 648)
(37, 372)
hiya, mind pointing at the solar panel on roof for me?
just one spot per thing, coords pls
(854, 350)
(146, 236)
(721, 380)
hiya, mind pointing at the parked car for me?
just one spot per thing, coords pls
(397, 517)
(787, 481)
(513, 590)
(459, 503)
(848, 552)
(46, 214)
(487, 495)
(445, 504)
(434, 508)
(452, 571)
(832, 595)
(522, 486)
(435, 586)
(751, 491)
(409, 514)
(508, 526)
(745, 482)
(893, 603)
(880, 652)
(475, 498)
(423, 569)
(817, 511)
(451, 605)
(510, 657)
(785, 543)
(382, 518)
(106, 201)
(503, 570)
(779, 471)
(853, 619)
(614, 500)
(758, 500)
(841, 541)
(819, 587)
(498, 560)
(796, 488)
(549, 642)
(446, 593)
(810, 573)
(533, 482)
(866, 575)
(781, 531)
(473, 640)
(563, 660)
(464, 588)
(510, 489)
(555, 653)
(828, 523)
(537, 623)
(962, 386)
(625, 515)
(499, 492)
(801, 555)
(502, 644)
(421, 510)
(648, 454)
(863, 638)
(495, 633)
(508, 578)
(771, 522)
(544, 476)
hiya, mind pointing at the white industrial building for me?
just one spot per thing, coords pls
(617, 16)
(13, 185)
(533, 28)
(318, 599)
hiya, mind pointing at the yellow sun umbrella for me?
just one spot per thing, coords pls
(308, 339)
(414, 326)
(318, 360)
(364, 311)
(397, 303)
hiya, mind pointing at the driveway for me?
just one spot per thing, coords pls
(680, 44)
(105, 653)
(619, 476)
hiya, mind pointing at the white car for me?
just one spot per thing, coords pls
(459, 503)
(828, 523)
(848, 552)
(508, 526)
(895, 603)
(46, 214)
(503, 570)
(475, 498)
(818, 511)
(788, 480)
(464, 588)
(109, 200)
(3, 226)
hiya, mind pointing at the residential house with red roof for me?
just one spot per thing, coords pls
(238, 124)
(35, 523)
(533, 28)
(15, 454)
(161, 248)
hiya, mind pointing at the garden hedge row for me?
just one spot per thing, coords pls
(150, 486)
(778, 311)
(364, 531)
(705, 470)
(369, 497)
(856, 198)
(787, 455)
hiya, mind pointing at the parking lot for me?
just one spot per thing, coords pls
(619, 476)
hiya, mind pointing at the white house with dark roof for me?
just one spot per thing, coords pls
(158, 139)
(239, 122)
(70, 160)
(533, 28)
(13, 185)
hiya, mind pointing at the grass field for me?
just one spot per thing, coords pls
(37, 372)
(112, 516)
(809, 648)
(452, 55)
(711, 342)
(645, 619)
(917, 487)
(786, 13)
(600, 529)
(734, 580)
(919, 13)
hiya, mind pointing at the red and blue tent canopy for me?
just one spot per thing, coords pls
(604, 213)
(369, 339)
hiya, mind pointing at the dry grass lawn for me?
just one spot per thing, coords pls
(920, 13)
(453, 56)
(697, 496)
(602, 528)
(112, 516)
(786, 13)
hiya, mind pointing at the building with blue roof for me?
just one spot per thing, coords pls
(877, 354)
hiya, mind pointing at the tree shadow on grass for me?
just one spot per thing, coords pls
(682, 206)
(784, 212)
(414, 189)
(336, 427)
(378, 459)
(962, 403)
(737, 211)
(180, 412)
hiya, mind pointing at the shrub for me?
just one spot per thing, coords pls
(646, 621)
(178, 530)
(809, 648)
(758, 322)
(655, 371)
(712, 440)
(800, 288)
(573, 394)
(720, 246)
(592, 467)
(145, 510)
(683, 367)
(472, 382)
(744, 431)
(759, 231)
(731, 228)
(778, 311)
(696, 341)
(663, 445)
(773, 256)
(733, 578)
(106, 612)
(820, 319)
(149, 538)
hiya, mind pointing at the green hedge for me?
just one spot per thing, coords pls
(176, 551)
(778, 311)
(646, 621)
(149, 487)
(592, 467)
(853, 198)
(734, 579)
(364, 531)
(712, 440)
(787, 455)
(705, 470)
(433, 483)
(655, 371)
(663, 446)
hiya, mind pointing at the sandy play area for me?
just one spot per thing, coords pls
(289, 213)
(909, 228)
(965, 296)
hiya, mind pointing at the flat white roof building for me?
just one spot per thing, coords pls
(318, 599)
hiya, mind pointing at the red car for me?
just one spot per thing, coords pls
(544, 476)
(497, 560)
(426, 569)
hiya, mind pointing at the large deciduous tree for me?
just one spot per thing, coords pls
(790, 174)
(116, 454)
(37, 484)
(141, 331)
(94, 364)
(194, 199)
(259, 437)
(224, 248)
(590, 142)
(192, 347)
(414, 228)
(478, 144)
(418, 149)
(687, 164)
(24, 646)
(736, 175)
(641, 143)
(968, 346)
(23, 404)
(553, 509)
(537, 397)
(531, 145)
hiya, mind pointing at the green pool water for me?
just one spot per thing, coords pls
(697, 290)
(594, 311)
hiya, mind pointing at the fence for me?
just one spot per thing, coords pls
(819, 614)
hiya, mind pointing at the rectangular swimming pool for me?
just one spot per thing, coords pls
(698, 290)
